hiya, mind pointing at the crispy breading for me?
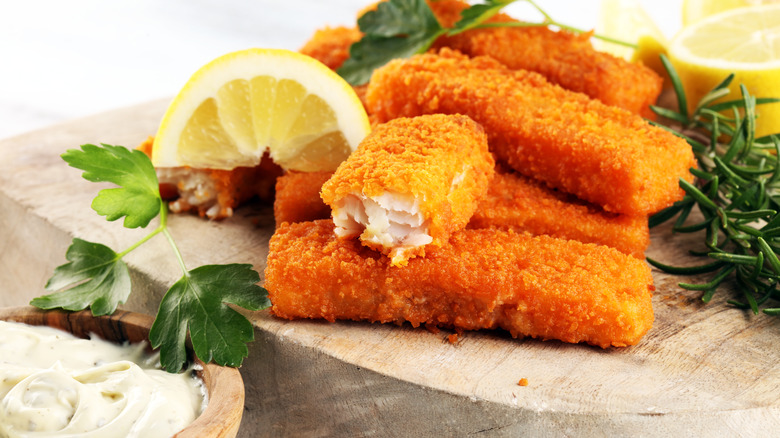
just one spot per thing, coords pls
(512, 201)
(521, 203)
(411, 180)
(481, 279)
(330, 45)
(600, 153)
(564, 58)
(147, 146)
(298, 197)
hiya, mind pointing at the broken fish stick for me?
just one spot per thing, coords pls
(523, 204)
(563, 57)
(411, 182)
(298, 197)
(599, 153)
(214, 193)
(540, 287)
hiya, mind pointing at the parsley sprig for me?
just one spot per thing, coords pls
(737, 192)
(96, 277)
(395, 29)
(402, 28)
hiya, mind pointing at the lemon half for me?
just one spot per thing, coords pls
(745, 41)
(242, 104)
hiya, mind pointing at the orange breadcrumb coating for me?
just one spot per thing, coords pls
(146, 146)
(330, 45)
(481, 279)
(564, 58)
(231, 187)
(298, 197)
(524, 204)
(602, 154)
(442, 161)
(512, 201)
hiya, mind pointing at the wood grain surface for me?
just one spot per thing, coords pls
(704, 370)
(222, 415)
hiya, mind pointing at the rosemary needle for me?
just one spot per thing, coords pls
(737, 192)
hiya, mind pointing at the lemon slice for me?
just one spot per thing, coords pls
(695, 10)
(245, 103)
(745, 41)
(625, 20)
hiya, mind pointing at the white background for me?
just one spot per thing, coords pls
(63, 59)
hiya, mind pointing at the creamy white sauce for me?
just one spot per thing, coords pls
(53, 384)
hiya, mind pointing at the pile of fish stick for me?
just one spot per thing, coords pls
(506, 183)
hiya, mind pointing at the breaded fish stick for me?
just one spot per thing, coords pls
(411, 182)
(517, 202)
(298, 197)
(214, 193)
(599, 153)
(482, 279)
(564, 58)
(512, 201)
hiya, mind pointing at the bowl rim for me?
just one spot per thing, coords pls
(224, 385)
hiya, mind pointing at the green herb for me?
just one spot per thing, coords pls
(402, 28)
(737, 191)
(196, 301)
(96, 276)
(395, 29)
(99, 276)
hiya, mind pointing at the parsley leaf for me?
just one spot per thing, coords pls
(399, 17)
(478, 14)
(395, 29)
(96, 277)
(138, 197)
(198, 301)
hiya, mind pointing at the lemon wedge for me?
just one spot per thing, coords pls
(242, 104)
(745, 41)
(626, 20)
(695, 10)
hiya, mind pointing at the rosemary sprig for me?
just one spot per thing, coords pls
(737, 191)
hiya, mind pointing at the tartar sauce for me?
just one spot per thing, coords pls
(53, 384)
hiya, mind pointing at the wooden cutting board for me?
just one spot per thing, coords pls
(707, 370)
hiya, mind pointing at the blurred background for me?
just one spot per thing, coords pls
(68, 59)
